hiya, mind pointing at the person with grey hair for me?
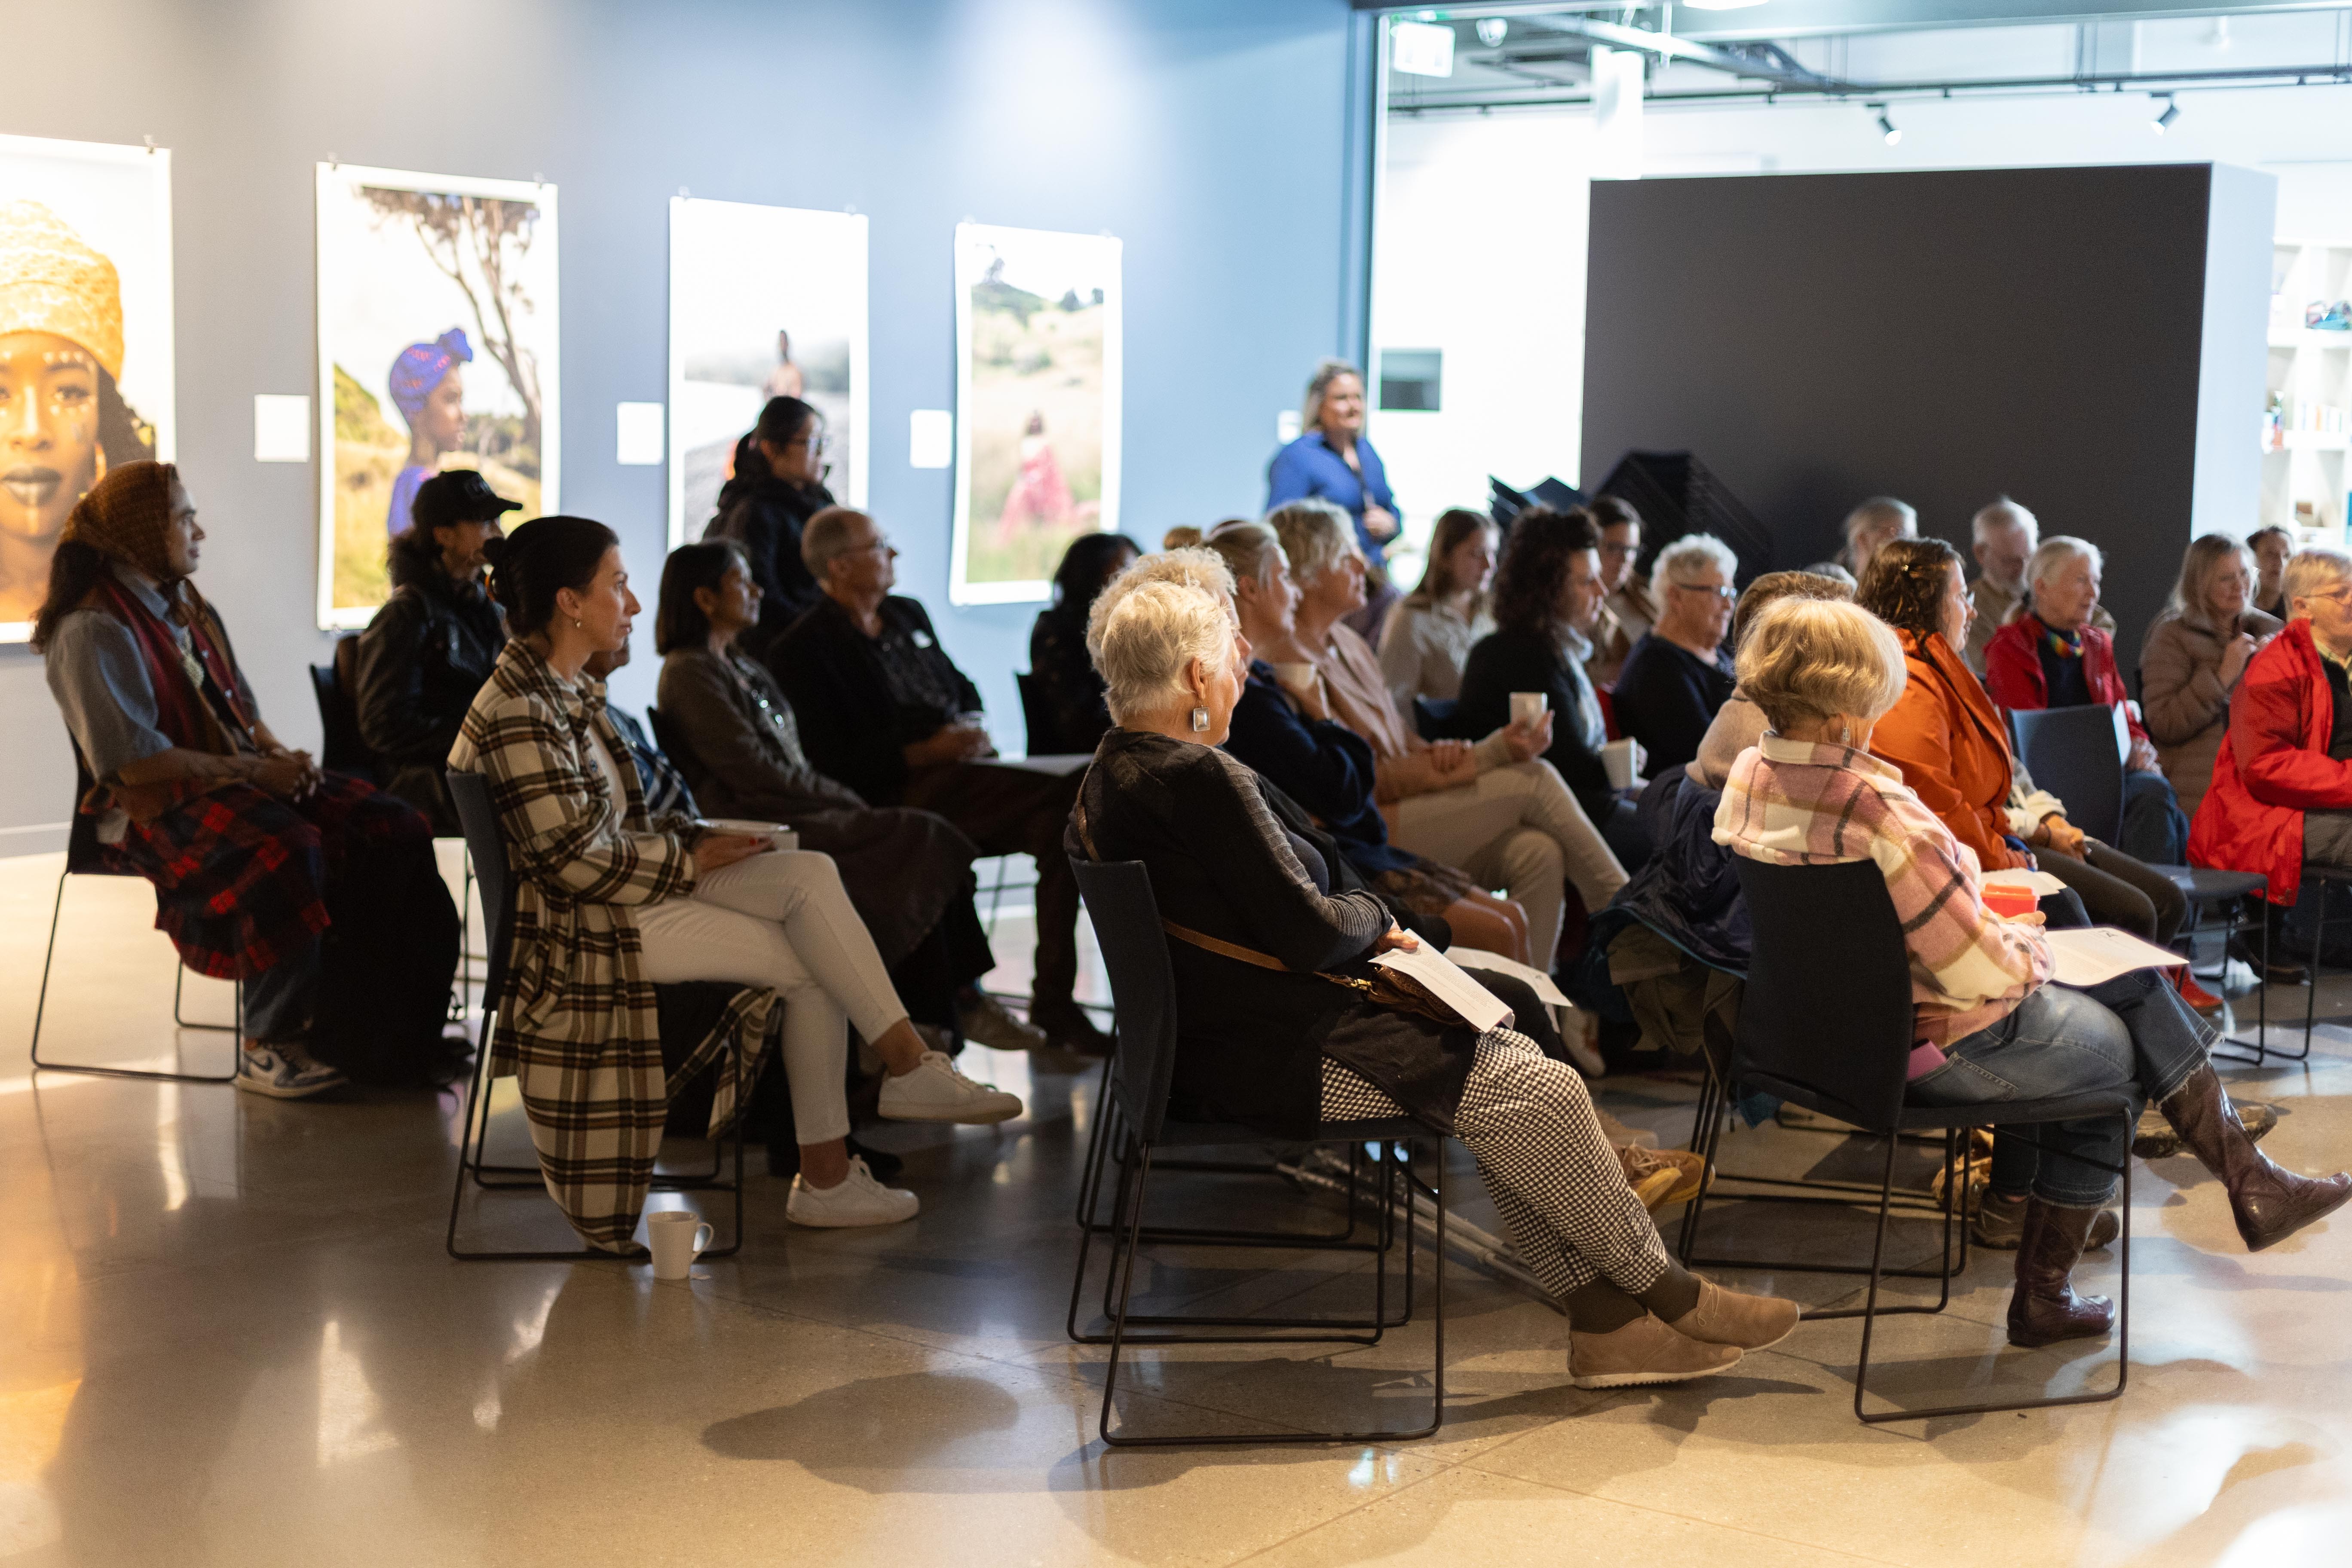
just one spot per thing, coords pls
(1263, 945)
(883, 710)
(1332, 460)
(1678, 675)
(2052, 656)
(2003, 537)
(1871, 524)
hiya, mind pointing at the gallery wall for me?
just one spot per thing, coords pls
(1212, 136)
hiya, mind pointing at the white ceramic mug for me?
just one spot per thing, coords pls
(677, 1237)
(1527, 706)
(1295, 676)
(1618, 757)
(775, 833)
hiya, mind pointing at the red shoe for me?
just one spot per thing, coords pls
(2199, 999)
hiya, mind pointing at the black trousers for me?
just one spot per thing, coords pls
(2118, 891)
(1011, 810)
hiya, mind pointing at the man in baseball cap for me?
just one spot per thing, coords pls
(459, 495)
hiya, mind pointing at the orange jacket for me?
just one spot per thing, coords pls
(1946, 736)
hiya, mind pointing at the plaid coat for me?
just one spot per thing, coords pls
(577, 1021)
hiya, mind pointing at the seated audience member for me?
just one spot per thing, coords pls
(254, 852)
(1547, 599)
(1871, 524)
(1068, 689)
(1627, 611)
(1740, 723)
(2272, 546)
(2005, 537)
(2191, 659)
(1835, 572)
(908, 872)
(2282, 791)
(884, 711)
(1678, 675)
(2051, 656)
(1431, 632)
(1266, 1039)
(1329, 769)
(1496, 809)
(778, 486)
(1989, 1026)
(1948, 739)
(431, 646)
(610, 901)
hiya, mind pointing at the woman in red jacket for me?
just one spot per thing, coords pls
(2051, 657)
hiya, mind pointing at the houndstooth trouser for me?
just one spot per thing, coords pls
(1528, 1122)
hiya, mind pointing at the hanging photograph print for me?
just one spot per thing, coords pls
(85, 340)
(765, 302)
(1037, 406)
(438, 349)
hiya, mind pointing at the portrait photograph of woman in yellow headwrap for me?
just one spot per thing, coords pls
(85, 340)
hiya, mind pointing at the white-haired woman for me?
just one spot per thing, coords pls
(1268, 1037)
(1496, 809)
(1988, 1026)
(2192, 658)
(1679, 674)
(2053, 656)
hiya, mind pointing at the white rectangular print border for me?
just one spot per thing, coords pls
(85, 337)
(439, 342)
(763, 302)
(1038, 366)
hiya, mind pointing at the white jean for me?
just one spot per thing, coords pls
(782, 919)
(1517, 829)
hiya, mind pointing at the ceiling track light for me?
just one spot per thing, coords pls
(1492, 30)
(2171, 112)
(1885, 126)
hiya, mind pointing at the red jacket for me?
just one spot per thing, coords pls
(2274, 768)
(2014, 669)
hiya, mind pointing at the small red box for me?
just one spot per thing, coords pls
(2009, 901)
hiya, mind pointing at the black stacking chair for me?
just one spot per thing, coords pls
(2077, 754)
(83, 860)
(341, 746)
(1143, 987)
(1827, 1024)
(471, 793)
(1035, 717)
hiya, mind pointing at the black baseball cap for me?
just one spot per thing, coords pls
(460, 495)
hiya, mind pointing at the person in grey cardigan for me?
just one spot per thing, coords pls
(733, 737)
(2194, 653)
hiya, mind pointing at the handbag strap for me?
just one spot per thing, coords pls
(1200, 940)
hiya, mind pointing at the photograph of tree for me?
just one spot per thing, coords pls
(85, 340)
(1037, 406)
(763, 302)
(437, 349)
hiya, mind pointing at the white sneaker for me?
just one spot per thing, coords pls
(936, 1091)
(856, 1199)
(284, 1072)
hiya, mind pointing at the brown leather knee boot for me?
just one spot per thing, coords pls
(2269, 1204)
(2044, 1308)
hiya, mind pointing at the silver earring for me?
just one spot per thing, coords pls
(1200, 720)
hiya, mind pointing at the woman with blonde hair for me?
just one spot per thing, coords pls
(1332, 461)
(1988, 1025)
(2192, 657)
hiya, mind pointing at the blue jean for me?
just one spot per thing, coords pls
(2132, 1033)
(2155, 831)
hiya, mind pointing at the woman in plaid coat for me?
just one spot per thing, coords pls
(610, 901)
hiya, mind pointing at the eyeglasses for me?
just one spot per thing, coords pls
(1720, 590)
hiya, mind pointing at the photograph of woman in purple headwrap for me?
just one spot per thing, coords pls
(438, 345)
(430, 393)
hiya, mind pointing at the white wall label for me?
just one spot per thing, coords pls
(281, 427)
(639, 431)
(930, 439)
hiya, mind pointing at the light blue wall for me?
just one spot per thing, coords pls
(1213, 136)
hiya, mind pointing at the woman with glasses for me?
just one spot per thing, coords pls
(778, 485)
(1678, 675)
(1627, 611)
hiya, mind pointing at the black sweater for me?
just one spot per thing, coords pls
(854, 727)
(1665, 698)
(765, 515)
(1507, 661)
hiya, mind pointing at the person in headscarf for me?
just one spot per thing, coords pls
(311, 889)
(63, 421)
(431, 396)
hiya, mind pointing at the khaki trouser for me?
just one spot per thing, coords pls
(1517, 829)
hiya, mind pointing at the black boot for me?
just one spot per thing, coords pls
(2269, 1204)
(2044, 1308)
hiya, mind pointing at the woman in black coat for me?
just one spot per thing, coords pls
(1548, 596)
(1068, 694)
(779, 485)
(1269, 1032)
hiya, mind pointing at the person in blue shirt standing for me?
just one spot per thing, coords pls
(1333, 459)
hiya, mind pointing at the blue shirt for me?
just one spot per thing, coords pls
(1309, 467)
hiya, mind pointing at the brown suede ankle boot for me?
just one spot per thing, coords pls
(2044, 1308)
(2269, 1204)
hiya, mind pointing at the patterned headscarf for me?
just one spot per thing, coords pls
(126, 516)
(52, 282)
(421, 366)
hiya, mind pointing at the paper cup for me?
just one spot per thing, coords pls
(1527, 706)
(1617, 757)
(775, 833)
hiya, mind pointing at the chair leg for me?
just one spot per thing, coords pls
(41, 1003)
(478, 1097)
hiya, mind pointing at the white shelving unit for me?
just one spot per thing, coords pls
(2308, 425)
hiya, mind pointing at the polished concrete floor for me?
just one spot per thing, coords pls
(231, 1336)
